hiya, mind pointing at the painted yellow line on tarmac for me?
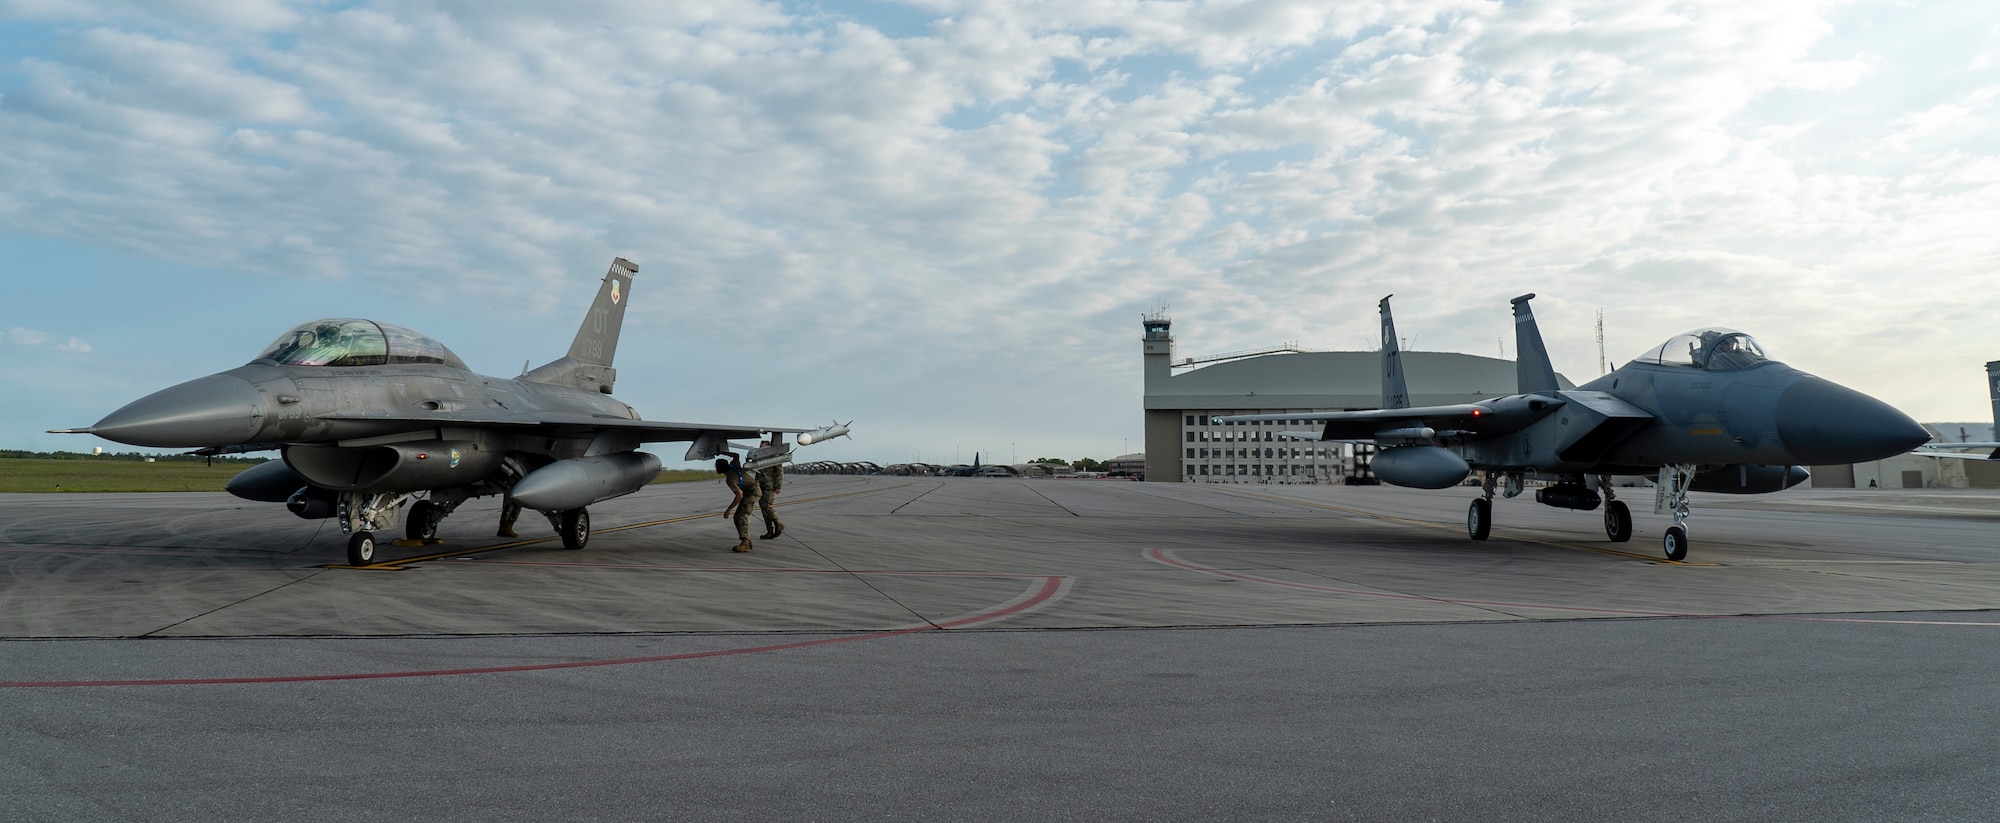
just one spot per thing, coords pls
(400, 563)
(1430, 525)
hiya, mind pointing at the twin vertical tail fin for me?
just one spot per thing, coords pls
(1533, 371)
(1395, 393)
(588, 364)
(1993, 386)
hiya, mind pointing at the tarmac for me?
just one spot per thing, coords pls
(986, 649)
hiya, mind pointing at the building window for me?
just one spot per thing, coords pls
(1190, 454)
(1190, 471)
(1190, 437)
(1190, 419)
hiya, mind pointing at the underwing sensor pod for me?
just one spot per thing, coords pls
(371, 418)
(1705, 411)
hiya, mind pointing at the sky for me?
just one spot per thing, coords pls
(943, 219)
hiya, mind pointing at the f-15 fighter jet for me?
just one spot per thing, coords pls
(371, 416)
(1705, 411)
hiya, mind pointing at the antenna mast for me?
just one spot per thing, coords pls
(1603, 365)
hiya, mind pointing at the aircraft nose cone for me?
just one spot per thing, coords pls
(217, 410)
(1825, 423)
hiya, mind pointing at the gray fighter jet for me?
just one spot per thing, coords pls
(1940, 449)
(1704, 411)
(372, 416)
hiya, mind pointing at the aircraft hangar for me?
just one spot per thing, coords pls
(1181, 395)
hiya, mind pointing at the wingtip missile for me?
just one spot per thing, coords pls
(824, 434)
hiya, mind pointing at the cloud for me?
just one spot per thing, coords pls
(34, 339)
(1020, 177)
(27, 337)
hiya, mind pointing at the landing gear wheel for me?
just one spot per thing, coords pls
(1618, 522)
(1479, 519)
(361, 549)
(423, 520)
(575, 528)
(1676, 543)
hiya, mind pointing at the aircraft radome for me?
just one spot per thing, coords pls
(1704, 411)
(371, 416)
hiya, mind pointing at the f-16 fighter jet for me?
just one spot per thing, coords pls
(372, 416)
(1705, 411)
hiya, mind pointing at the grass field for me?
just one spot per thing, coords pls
(33, 475)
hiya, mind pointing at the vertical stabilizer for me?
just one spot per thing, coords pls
(1993, 389)
(1395, 393)
(1533, 370)
(588, 364)
(597, 340)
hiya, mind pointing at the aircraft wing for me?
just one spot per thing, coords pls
(1476, 419)
(572, 425)
(1940, 452)
(654, 431)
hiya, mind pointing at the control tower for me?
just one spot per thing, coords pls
(1163, 426)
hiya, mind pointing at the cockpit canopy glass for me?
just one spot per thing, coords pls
(1714, 349)
(344, 341)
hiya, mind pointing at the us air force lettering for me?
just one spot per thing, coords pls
(1705, 411)
(370, 417)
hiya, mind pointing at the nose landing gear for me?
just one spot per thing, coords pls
(1672, 498)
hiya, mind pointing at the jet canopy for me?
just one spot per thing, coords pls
(1714, 349)
(345, 341)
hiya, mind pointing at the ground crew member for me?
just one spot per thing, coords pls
(770, 481)
(743, 486)
(510, 511)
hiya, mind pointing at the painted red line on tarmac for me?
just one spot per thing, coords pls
(1051, 586)
(1048, 589)
(1166, 556)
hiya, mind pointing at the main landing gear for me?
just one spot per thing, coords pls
(1617, 516)
(574, 526)
(1479, 518)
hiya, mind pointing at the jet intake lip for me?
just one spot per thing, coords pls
(1824, 423)
(217, 410)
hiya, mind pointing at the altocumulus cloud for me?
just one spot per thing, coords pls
(887, 174)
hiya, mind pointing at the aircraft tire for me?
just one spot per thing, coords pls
(423, 520)
(1479, 519)
(361, 549)
(575, 528)
(1618, 521)
(1676, 543)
